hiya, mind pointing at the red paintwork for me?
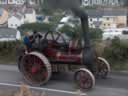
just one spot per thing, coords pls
(69, 54)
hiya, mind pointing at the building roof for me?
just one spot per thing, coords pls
(95, 13)
(96, 23)
(8, 33)
(115, 12)
(28, 10)
(18, 15)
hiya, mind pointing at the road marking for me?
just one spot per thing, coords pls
(45, 89)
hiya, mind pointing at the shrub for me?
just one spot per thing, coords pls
(8, 51)
(68, 30)
(117, 51)
(41, 27)
(94, 33)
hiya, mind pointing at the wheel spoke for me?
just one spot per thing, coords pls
(102, 68)
(57, 38)
(83, 79)
(52, 36)
(34, 69)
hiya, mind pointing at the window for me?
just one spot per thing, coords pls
(107, 18)
(91, 19)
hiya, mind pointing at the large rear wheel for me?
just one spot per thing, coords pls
(35, 68)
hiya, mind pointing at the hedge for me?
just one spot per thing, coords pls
(8, 51)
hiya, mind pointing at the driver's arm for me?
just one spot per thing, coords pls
(32, 39)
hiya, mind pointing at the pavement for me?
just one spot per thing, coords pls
(62, 84)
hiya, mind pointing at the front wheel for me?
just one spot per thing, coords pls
(103, 67)
(84, 79)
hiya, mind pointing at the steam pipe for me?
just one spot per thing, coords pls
(84, 24)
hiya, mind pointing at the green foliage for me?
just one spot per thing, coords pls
(77, 31)
(117, 54)
(68, 30)
(95, 33)
(8, 51)
(47, 11)
(41, 27)
(55, 18)
(6, 47)
(117, 51)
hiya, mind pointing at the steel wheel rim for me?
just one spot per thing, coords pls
(83, 80)
(34, 69)
(102, 69)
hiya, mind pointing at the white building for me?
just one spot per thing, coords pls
(95, 18)
(29, 15)
(15, 21)
(100, 2)
(95, 22)
(12, 1)
(3, 1)
(21, 16)
(31, 2)
(114, 18)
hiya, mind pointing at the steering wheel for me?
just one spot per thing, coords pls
(56, 37)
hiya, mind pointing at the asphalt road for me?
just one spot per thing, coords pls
(62, 84)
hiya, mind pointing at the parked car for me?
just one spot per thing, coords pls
(121, 33)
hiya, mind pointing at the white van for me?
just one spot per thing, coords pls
(121, 33)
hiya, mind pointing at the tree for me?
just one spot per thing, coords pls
(95, 33)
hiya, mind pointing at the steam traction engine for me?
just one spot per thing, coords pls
(57, 55)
